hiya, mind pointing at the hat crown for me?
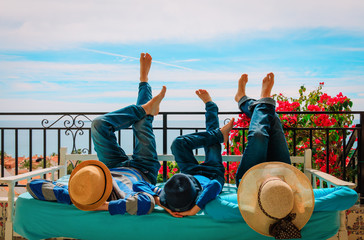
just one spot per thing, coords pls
(180, 191)
(249, 193)
(88, 185)
(276, 198)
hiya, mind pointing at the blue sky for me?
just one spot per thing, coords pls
(83, 55)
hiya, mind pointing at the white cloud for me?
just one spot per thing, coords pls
(91, 87)
(29, 70)
(176, 100)
(358, 104)
(42, 24)
(41, 86)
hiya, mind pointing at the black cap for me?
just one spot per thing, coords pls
(180, 192)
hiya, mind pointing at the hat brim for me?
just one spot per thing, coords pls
(107, 189)
(188, 206)
(248, 195)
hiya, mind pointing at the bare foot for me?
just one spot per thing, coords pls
(203, 95)
(241, 87)
(226, 129)
(152, 107)
(267, 85)
(145, 63)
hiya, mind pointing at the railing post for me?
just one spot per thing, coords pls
(62, 161)
(2, 153)
(10, 213)
(327, 151)
(361, 160)
(164, 146)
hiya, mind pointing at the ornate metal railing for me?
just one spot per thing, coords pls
(38, 132)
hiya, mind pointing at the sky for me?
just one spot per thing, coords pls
(83, 56)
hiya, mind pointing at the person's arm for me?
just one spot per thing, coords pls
(143, 186)
(209, 193)
(174, 214)
(193, 211)
(103, 207)
(46, 190)
(154, 191)
(140, 203)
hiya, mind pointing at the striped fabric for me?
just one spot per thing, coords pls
(132, 193)
(49, 191)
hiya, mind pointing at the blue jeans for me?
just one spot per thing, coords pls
(144, 157)
(183, 146)
(266, 141)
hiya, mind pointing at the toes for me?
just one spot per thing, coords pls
(232, 122)
(271, 75)
(164, 90)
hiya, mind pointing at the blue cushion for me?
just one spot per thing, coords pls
(334, 199)
(225, 207)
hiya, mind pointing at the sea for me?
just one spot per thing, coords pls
(76, 139)
(80, 137)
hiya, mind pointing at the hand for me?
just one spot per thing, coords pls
(191, 212)
(174, 214)
(103, 207)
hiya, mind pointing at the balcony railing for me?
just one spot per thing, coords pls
(38, 136)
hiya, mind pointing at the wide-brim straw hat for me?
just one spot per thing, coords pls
(90, 185)
(278, 189)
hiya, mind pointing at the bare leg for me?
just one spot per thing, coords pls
(267, 86)
(145, 63)
(145, 90)
(211, 114)
(152, 107)
(241, 87)
(203, 95)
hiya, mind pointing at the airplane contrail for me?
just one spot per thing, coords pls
(124, 56)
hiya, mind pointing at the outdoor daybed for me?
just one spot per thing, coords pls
(221, 218)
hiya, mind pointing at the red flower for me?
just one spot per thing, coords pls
(313, 108)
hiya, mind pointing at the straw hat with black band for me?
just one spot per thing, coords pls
(90, 185)
(276, 199)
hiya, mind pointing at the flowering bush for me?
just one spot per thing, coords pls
(172, 168)
(312, 102)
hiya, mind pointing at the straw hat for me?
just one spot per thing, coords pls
(276, 199)
(90, 185)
